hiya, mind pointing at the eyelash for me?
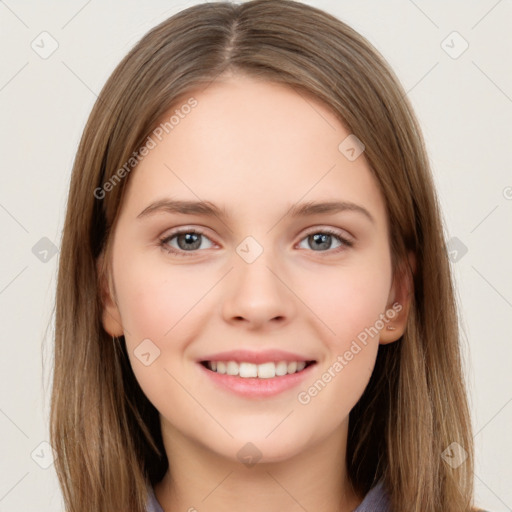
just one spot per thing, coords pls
(324, 231)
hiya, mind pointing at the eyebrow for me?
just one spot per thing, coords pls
(209, 209)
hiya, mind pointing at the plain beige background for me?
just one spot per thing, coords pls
(56, 57)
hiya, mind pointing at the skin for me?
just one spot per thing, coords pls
(255, 148)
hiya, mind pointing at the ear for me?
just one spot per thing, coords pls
(111, 318)
(399, 301)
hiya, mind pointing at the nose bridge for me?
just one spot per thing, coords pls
(257, 293)
(256, 265)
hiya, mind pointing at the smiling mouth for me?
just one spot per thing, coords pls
(260, 371)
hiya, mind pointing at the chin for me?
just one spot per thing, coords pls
(250, 450)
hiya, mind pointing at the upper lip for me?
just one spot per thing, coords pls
(249, 356)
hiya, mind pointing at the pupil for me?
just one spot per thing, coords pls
(321, 238)
(191, 241)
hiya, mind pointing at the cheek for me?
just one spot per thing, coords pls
(153, 299)
(161, 303)
(351, 305)
(156, 303)
(349, 299)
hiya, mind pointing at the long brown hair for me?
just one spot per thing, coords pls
(105, 432)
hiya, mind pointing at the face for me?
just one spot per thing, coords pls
(263, 277)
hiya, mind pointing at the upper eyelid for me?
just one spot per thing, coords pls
(182, 230)
(332, 230)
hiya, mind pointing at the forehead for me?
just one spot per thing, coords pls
(251, 144)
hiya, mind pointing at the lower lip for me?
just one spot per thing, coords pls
(257, 388)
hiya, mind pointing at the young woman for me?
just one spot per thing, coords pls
(254, 307)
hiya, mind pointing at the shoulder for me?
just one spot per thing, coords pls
(376, 500)
(152, 503)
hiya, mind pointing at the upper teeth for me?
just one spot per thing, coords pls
(263, 371)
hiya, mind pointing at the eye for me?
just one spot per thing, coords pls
(322, 239)
(187, 240)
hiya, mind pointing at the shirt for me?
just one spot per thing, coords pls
(375, 501)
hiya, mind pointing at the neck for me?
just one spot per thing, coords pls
(200, 479)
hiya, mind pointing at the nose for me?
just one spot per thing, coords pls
(258, 294)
